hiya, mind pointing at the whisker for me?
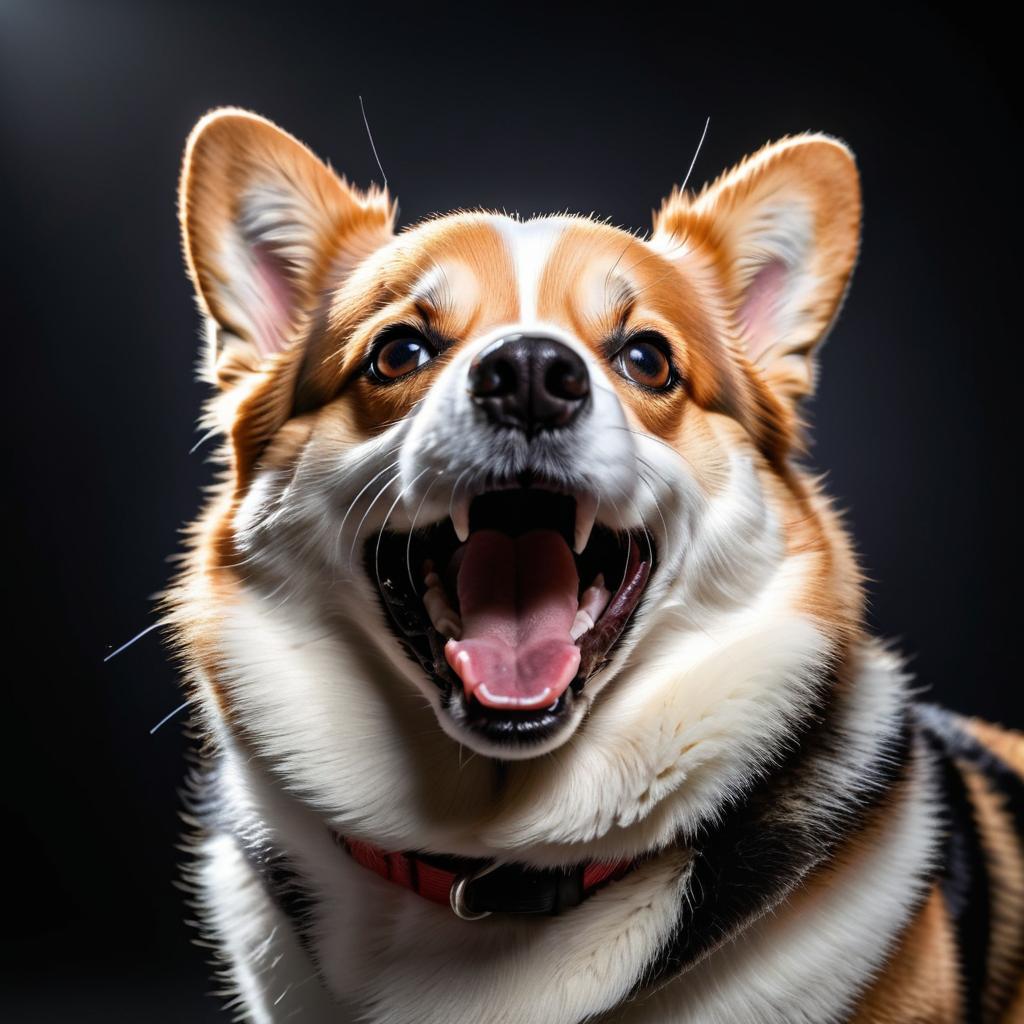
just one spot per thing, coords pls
(703, 135)
(362, 491)
(366, 514)
(653, 469)
(611, 269)
(657, 504)
(169, 716)
(619, 536)
(206, 437)
(649, 437)
(640, 518)
(369, 135)
(663, 253)
(383, 526)
(138, 636)
(655, 282)
(412, 529)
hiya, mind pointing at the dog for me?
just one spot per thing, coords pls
(528, 667)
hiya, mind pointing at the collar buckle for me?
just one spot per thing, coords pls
(457, 893)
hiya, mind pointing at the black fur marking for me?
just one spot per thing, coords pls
(964, 875)
(965, 886)
(771, 841)
(946, 731)
(290, 892)
(287, 889)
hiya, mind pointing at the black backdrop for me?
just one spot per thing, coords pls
(502, 107)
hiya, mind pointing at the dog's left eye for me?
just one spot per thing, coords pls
(399, 356)
(645, 362)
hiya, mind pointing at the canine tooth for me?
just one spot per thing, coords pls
(460, 517)
(581, 624)
(586, 510)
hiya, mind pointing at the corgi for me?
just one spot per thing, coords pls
(529, 667)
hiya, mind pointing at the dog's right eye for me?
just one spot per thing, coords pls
(400, 355)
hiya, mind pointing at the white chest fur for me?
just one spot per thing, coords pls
(391, 957)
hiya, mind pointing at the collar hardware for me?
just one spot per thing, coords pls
(457, 895)
(474, 889)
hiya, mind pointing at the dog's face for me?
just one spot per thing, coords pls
(525, 469)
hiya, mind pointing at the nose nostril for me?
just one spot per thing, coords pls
(567, 380)
(492, 378)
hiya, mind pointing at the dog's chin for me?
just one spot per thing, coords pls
(511, 622)
(510, 736)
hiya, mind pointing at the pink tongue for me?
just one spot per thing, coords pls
(518, 599)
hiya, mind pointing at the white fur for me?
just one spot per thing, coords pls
(256, 292)
(530, 244)
(269, 976)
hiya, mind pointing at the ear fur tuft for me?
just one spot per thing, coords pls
(782, 231)
(267, 228)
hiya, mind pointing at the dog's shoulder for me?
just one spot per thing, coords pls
(961, 958)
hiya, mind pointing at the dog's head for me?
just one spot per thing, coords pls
(523, 469)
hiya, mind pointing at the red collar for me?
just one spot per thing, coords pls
(475, 888)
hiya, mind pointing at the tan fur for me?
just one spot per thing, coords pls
(1004, 847)
(1006, 744)
(920, 982)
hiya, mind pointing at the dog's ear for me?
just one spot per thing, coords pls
(781, 231)
(266, 228)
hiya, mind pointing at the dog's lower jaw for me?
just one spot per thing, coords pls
(399, 959)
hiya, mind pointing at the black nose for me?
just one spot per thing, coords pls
(530, 382)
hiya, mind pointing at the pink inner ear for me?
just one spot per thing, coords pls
(275, 303)
(758, 312)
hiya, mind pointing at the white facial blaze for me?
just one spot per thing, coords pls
(530, 245)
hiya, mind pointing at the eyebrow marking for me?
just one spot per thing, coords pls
(622, 295)
(425, 311)
(432, 289)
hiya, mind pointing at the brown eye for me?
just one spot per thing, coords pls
(399, 356)
(644, 362)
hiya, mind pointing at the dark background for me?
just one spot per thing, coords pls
(502, 107)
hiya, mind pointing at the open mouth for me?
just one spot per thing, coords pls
(511, 620)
